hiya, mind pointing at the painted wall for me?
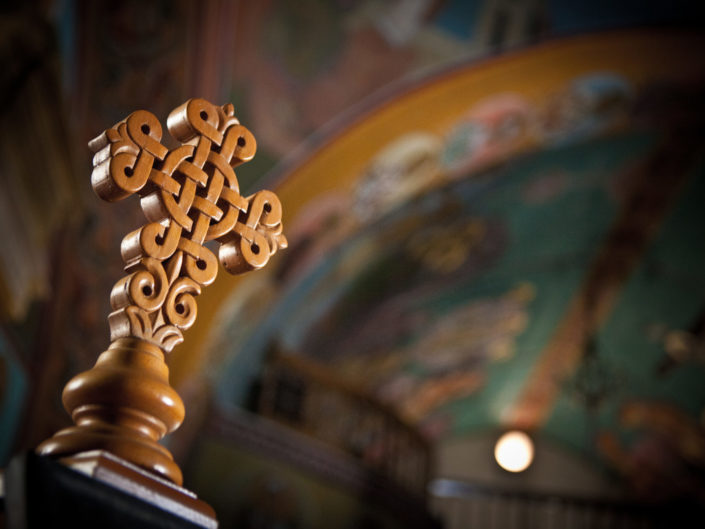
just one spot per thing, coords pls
(554, 471)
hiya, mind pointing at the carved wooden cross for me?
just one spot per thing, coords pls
(190, 195)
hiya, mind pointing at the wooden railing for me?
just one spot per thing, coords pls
(312, 399)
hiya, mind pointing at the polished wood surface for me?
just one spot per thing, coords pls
(123, 405)
(190, 195)
(96, 489)
(105, 467)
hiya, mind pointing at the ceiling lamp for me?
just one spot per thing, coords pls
(514, 451)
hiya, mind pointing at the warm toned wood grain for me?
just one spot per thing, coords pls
(123, 405)
(97, 489)
(117, 473)
(190, 195)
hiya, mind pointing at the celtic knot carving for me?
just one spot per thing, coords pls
(190, 195)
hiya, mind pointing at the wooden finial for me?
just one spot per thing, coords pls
(190, 195)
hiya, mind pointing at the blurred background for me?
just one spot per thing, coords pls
(495, 221)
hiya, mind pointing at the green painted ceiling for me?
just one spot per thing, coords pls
(555, 288)
(454, 338)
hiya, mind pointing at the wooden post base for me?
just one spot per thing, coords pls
(97, 489)
(123, 405)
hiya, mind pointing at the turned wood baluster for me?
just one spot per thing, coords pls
(190, 195)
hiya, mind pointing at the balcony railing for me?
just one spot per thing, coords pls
(312, 399)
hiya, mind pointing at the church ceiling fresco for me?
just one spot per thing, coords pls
(450, 231)
(517, 250)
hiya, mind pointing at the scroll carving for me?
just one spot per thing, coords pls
(190, 195)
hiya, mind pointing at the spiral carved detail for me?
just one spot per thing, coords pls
(190, 195)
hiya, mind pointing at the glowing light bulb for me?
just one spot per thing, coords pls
(514, 451)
